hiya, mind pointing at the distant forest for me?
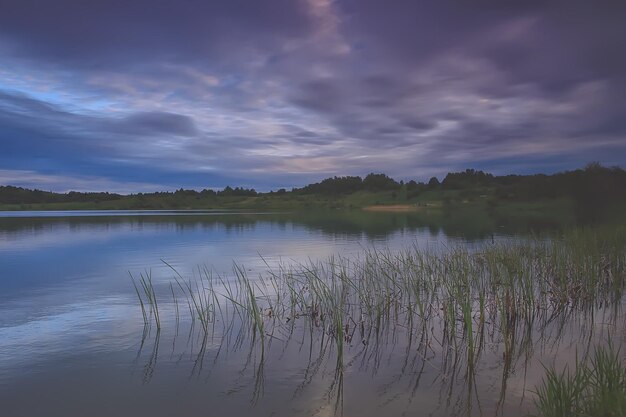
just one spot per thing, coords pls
(594, 185)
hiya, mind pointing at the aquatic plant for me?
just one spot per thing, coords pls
(457, 301)
(148, 298)
(596, 387)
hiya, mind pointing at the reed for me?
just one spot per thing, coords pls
(148, 298)
(593, 388)
(465, 300)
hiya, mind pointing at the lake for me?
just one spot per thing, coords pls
(73, 340)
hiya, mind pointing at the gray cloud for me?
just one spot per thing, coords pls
(160, 123)
(290, 91)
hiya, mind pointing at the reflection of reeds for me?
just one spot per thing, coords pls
(453, 301)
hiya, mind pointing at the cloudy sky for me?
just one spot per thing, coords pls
(140, 95)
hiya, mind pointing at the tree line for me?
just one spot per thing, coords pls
(592, 186)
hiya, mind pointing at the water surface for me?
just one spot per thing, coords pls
(72, 334)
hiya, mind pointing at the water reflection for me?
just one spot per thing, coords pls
(441, 342)
(462, 223)
(71, 328)
(400, 370)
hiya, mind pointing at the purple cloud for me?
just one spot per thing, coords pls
(280, 93)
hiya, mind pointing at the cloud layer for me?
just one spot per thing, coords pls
(280, 93)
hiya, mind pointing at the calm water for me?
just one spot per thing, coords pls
(72, 340)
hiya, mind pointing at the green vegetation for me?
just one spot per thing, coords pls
(596, 387)
(457, 306)
(147, 299)
(591, 193)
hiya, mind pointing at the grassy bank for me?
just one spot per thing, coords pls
(589, 193)
(429, 201)
(287, 201)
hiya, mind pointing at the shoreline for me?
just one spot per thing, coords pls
(395, 208)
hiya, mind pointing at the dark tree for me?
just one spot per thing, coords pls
(433, 183)
(379, 182)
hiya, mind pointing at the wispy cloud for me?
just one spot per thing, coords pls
(270, 93)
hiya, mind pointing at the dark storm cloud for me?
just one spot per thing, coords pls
(161, 123)
(124, 33)
(286, 91)
(558, 66)
(563, 46)
(39, 135)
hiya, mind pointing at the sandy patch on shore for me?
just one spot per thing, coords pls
(393, 208)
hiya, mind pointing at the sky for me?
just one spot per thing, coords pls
(145, 95)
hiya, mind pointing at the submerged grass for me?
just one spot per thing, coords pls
(464, 299)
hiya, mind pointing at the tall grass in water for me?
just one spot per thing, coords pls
(147, 297)
(248, 300)
(594, 388)
(458, 302)
(511, 287)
